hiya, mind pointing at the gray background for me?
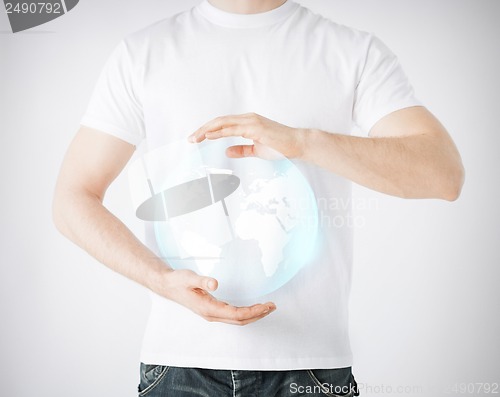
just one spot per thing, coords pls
(425, 300)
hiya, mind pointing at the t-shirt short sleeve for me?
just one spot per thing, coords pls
(115, 106)
(383, 87)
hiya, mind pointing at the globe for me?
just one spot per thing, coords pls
(249, 223)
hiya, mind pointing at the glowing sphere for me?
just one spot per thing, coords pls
(249, 223)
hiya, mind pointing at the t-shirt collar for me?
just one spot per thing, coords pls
(232, 20)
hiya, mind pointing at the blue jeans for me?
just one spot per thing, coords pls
(162, 381)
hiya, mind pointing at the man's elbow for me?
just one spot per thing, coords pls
(449, 169)
(451, 186)
(64, 206)
(59, 212)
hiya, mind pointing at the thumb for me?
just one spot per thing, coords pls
(206, 283)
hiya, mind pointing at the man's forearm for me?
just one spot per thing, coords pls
(92, 162)
(82, 218)
(415, 166)
(412, 155)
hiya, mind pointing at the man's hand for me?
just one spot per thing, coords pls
(193, 291)
(408, 154)
(92, 162)
(266, 134)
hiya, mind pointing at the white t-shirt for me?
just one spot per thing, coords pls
(289, 65)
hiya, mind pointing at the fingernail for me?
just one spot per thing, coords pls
(192, 139)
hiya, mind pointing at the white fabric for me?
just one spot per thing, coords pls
(291, 66)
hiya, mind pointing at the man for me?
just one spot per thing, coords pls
(275, 73)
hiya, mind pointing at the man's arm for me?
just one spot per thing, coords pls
(408, 153)
(92, 162)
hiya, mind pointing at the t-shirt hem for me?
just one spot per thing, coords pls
(111, 129)
(248, 364)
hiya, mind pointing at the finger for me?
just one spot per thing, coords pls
(239, 322)
(240, 151)
(217, 124)
(235, 130)
(242, 319)
(223, 311)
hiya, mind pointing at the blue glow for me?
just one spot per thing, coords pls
(268, 235)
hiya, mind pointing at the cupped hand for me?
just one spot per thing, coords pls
(267, 136)
(193, 292)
